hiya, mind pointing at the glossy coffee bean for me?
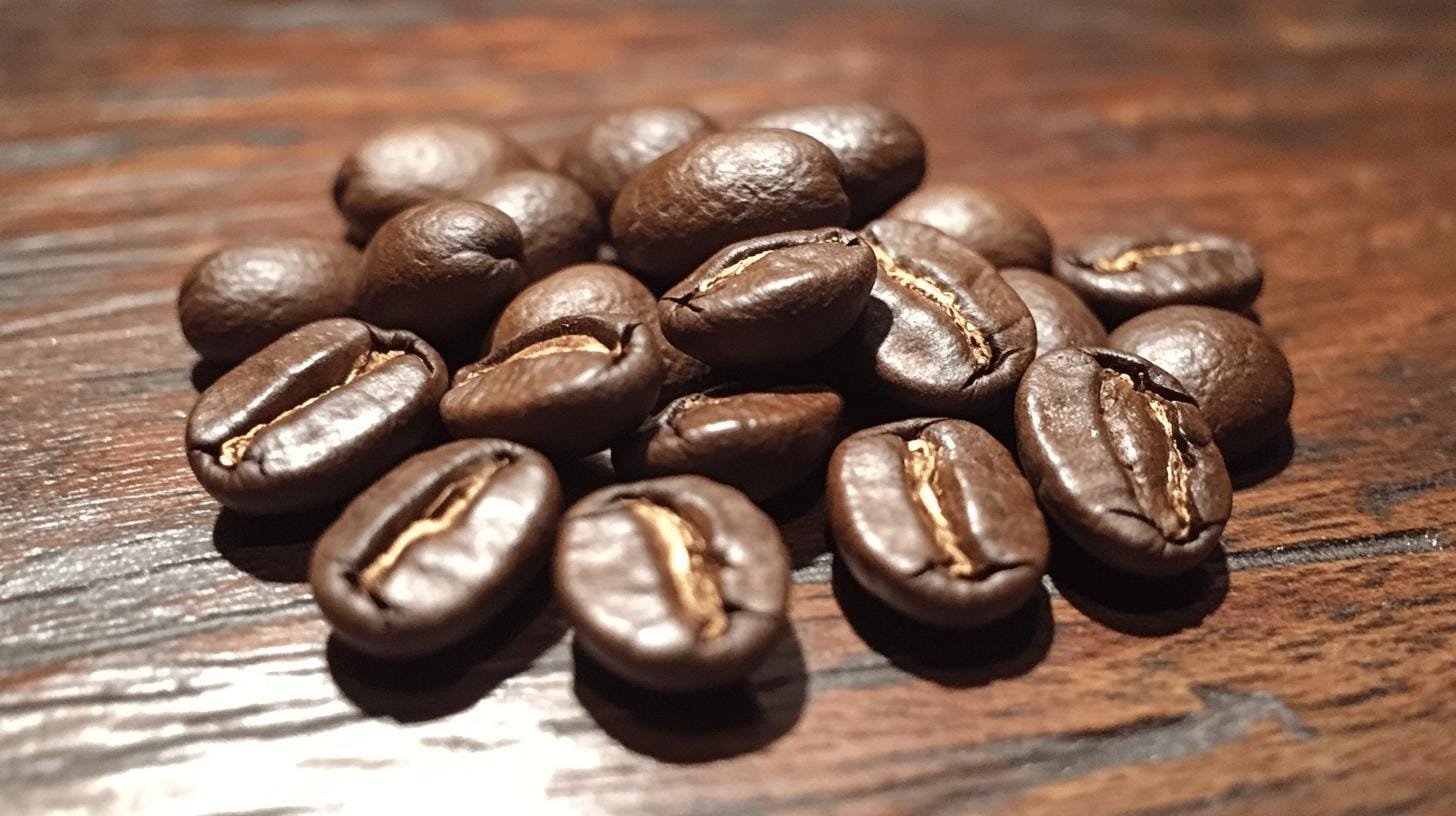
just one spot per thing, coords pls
(1122, 459)
(1228, 363)
(721, 189)
(933, 518)
(676, 584)
(314, 416)
(568, 388)
(411, 164)
(761, 440)
(1120, 276)
(1062, 319)
(942, 333)
(776, 299)
(437, 547)
(442, 269)
(882, 155)
(610, 150)
(998, 227)
(559, 222)
(243, 297)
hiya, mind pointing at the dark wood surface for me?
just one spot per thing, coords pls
(157, 656)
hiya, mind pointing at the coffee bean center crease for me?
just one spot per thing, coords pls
(921, 459)
(690, 566)
(1133, 259)
(1172, 508)
(943, 299)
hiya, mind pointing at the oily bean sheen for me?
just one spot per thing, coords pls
(1242, 381)
(721, 189)
(243, 297)
(609, 151)
(568, 388)
(559, 222)
(442, 269)
(1120, 276)
(437, 547)
(1062, 319)
(942, 332)
(314, 416)
(776, 299)
(1122, 459)
(411, 164)
(933, 517)
(881, 153)
(759, 440)
(676, 584)
(998, 227)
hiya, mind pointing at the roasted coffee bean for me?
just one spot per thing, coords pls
(759, 440)
(998, 227)
(1240, 378)
(676, 584)
(437, 547)
(942, 332)
(776, 299)
(568, 388)
(881, 153)
(1122, 459)
(1120, 276)
(314, 416)
(720, 189)
(933, 518)
(243, 297)
(411, 164)
(609, 151)
(559, 222)
(1062, 319)
(442, 269)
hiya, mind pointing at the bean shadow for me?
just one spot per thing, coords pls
(958, 658)
(205, 373)
(1134, 605)
(271, 548)
(583, 475)
(801, 518)
(1268, 461)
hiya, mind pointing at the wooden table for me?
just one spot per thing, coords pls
(159, 657)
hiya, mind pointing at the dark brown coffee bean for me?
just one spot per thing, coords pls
(881, 153)
(759, 440)
(1122, 459)
(314, 416)
(942, 332)
(933, 518)
(568, 388)
(243, 297)
(998, 227)
(437, 547)
(1120, 276)
(1062, 319)
(1232, 366)
(610, 150)
(776, 299)
(720, 189)
(559, 222)
(675, 584)
(442, 269)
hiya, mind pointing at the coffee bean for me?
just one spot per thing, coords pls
(760, 440)
(1120, 276)
(881, 153)
(676, 584)
(243, 297)
(932, 516)
(998, 227)
(559, 222)
(942, 332)
(720, 189)
(609, 151)
(1122, 459)
(1062, 319)
(437, 547)
(1240, 378)
(314, 416)
(776, 299)
(442, 269)
(569, 387)
(411, 164)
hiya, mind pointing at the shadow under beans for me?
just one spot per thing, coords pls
(205, 373)
(271, 548)
(698, 726)
(960, 658)
(585, 474)
(802, 521)
(451, 681)
(1134, 605)
(1268, 461)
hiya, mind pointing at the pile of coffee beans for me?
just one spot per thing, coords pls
(727, 316)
